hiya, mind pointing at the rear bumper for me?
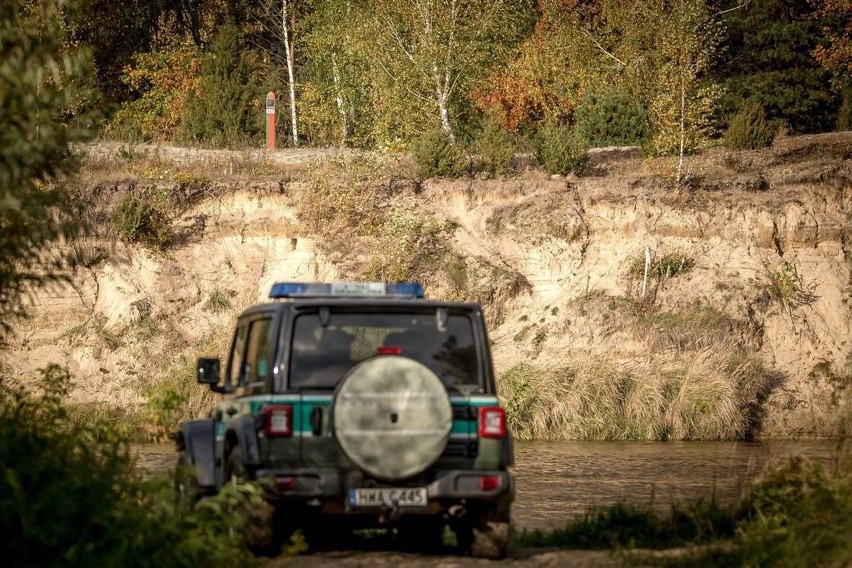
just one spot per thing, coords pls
(330, 487)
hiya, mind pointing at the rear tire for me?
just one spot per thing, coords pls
(421, 534)
(486, 533)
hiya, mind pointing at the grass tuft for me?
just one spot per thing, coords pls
(698, 382)
(625, 525)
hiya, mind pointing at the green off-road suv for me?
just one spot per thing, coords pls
(361, 405)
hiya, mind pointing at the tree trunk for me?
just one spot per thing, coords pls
(441, 96)
(341, 103)
(682, 126)
(288, 52)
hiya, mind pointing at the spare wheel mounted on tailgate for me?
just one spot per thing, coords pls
(392, 417)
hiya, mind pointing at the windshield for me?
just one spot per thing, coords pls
(321, 355)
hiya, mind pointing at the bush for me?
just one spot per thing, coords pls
(796, 514)
(627, 525)
(749, 129)
(139, 221)
(611, 119)
(495, 149)
(560, 149)
(436, 154)
(223, 111)
(70, 495)
(163, 80)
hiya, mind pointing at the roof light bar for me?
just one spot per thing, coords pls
(325, 289)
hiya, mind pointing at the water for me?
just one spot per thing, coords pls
(556, 481)
(561, 480)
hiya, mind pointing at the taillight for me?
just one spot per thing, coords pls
(492, 422)
(390, 350)
(279, 420)
(285, 483)
(489, 483)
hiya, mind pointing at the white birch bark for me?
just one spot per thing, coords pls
(341, 104)
(288, 52)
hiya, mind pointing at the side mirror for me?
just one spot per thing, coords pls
(207, 371)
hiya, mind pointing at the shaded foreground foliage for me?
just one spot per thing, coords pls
(67, 499)
(798, 513)
(39, 87)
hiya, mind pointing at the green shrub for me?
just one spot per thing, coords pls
(223, 111)
(70, 495)
(611, 119)
(560, 149)
(796, 514)
(750, 129)
(786, 286)
(436, 154)
(627, 525)
(495, 149)
(139, 221)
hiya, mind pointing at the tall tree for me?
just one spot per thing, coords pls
(280, 21)
(224, 110)
(770, 61)
(685, 96)
(335, 105)
(38, 80)
(426, 55)
(836, 54)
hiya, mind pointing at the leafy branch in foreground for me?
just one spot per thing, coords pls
(70, 494)
(38, 84)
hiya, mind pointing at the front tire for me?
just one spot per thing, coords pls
(186, 481)
(235, 469)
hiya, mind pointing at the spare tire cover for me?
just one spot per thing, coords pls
(392, 416)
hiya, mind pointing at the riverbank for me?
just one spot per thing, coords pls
(741, 331)
(558, 482)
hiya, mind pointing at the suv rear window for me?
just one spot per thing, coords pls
(321, 355)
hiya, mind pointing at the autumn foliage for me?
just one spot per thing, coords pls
(524, 92)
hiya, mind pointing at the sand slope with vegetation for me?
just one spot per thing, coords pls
(743, 329)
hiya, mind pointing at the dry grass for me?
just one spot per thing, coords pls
(111, 162)
(708, 395)
(697, 379)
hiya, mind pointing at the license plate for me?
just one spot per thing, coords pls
(388, 497)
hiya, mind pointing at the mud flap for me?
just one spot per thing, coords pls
(197, 439)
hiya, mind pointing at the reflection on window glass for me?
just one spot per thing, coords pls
(320, 356)
(258, 357)
(237, 355)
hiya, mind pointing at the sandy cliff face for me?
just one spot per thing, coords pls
(760, 240)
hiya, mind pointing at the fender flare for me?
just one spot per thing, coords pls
(197, 438)
(244, 430)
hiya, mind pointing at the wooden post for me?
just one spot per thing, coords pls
(270, 121)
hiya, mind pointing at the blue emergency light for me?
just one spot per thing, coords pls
(357, 289)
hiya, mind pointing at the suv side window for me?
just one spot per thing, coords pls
(259, 354)
(237, 353)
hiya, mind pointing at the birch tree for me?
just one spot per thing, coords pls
(427, 54)
(279, 19)
(334, 105)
